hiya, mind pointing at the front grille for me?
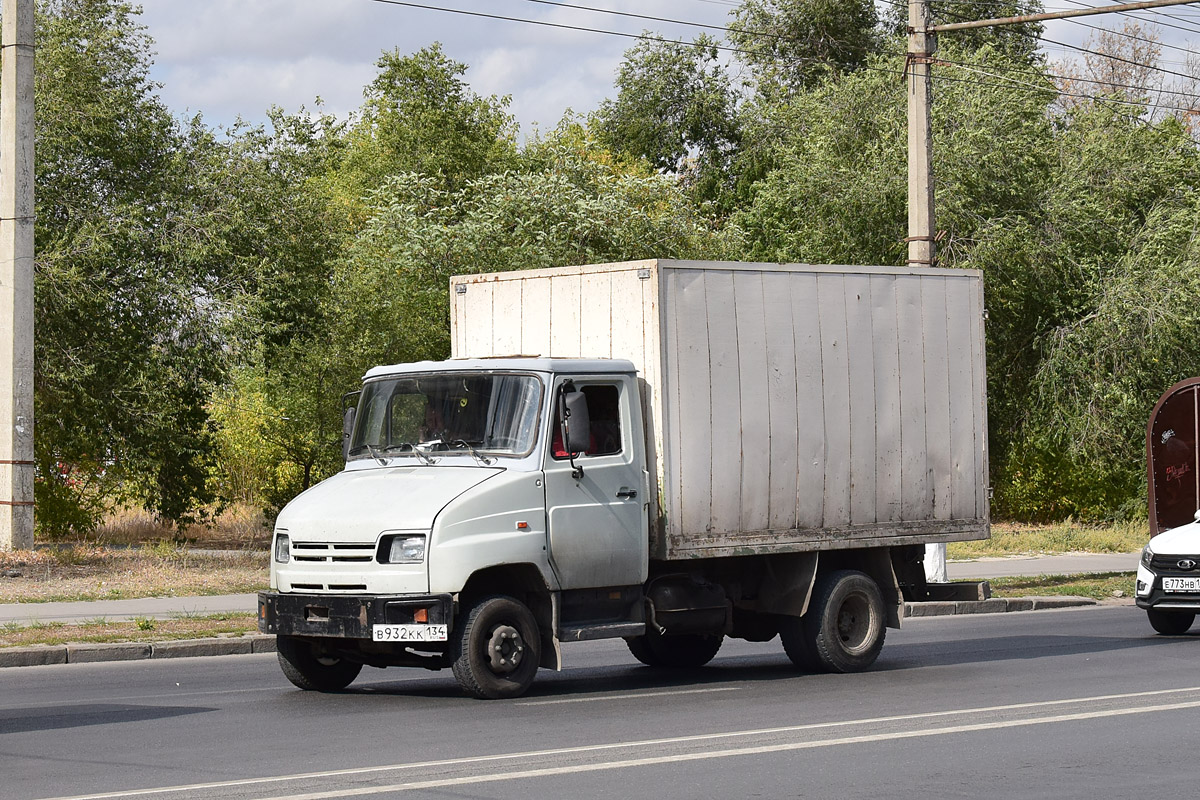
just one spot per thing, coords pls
(328, 552)
(1171, 564)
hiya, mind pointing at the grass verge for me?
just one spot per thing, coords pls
(1010, 539)
(92, 572)
(1117, 586)
(139, 630)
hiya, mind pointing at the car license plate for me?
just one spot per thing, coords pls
(1181, 584)
(408, 633)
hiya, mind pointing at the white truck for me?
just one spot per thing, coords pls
(669, 452)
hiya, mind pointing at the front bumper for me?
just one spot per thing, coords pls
(1149, 592)
(346, 616)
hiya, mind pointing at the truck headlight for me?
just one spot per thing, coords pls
(1147, 556)
(403, 549)
(283, 548)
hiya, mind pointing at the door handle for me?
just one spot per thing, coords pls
(625, 491)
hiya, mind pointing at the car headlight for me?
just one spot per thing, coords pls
(283, 548)
(403, 549)
(1147, 556)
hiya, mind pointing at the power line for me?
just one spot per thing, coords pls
(1127, 35)
(1055, 91)
(1147, 89)
(646, 37)
(1118, 58)
(1131, 16)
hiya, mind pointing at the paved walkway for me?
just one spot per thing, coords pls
(1066, 564)
(167, 607)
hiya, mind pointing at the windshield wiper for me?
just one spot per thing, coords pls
(383, 462)
(477, 455)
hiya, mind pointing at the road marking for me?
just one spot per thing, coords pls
(695, 738)
(628, 696)
(706, 755)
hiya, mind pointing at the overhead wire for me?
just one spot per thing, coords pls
(735, 50)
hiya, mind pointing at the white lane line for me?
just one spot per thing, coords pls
(629, 696)
(544, 772)
(701, 737)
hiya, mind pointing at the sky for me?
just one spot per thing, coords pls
(227, 58)
(231, 58)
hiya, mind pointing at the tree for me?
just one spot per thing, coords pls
(420, 116)
(125, 345)
(674, 104)
(796, 44)
(570, 203)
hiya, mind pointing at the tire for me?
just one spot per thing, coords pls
(686, 651)
(497, 649)
(844, 627)
(310, 670)
(797, 645)
(1170, 623)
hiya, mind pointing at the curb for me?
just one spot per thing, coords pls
(994, 605)
(43, 655)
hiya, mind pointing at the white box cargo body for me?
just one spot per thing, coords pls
(788, 407)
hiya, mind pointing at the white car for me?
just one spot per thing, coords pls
(1168, 579)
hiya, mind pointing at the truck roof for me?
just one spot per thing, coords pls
(519, 363)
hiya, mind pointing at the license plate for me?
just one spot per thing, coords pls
(1181, 584)
(408, 633)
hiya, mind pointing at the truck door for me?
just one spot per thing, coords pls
(598, 526)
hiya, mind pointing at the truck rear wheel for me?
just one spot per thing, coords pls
(1170, 623)
(496, 649)
(307, 667)
(685, 651)
(844, 627)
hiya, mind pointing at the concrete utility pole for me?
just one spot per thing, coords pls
(16, 275)
(922, 231)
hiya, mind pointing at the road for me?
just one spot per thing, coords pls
(1085, 703)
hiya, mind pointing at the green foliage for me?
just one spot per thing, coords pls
(571, 204)
(674, 101)
(797, 44)
(421, 117)
(125, 349)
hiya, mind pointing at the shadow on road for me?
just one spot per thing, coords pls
(26, 720)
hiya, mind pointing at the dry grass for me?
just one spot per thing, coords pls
(91, 572)
(158, 630)
(1108, 586)
(1009, 539)
(236, 528)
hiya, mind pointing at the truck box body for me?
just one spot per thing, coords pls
(788, 407)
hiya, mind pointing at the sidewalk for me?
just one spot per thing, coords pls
(169, 607)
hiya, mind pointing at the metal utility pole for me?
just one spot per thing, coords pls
(16, 275)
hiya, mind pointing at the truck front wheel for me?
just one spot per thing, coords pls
(844, 628)
(681, 652)
(307, 667)
(496, 649)
(1170, 623)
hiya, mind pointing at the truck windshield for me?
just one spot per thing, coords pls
(477, 413)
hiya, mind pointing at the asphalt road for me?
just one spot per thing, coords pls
(1085, 703)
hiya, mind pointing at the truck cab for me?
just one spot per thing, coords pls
(477, 496)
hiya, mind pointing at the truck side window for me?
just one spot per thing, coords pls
(604, 409)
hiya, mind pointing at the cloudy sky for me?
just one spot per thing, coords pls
(230, 58)
(238, 57)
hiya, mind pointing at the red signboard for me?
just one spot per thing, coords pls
(1171, 458)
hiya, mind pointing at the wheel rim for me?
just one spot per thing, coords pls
(505, 649)
(854, 622)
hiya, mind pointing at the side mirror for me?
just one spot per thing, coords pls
(347, 431)
(576, 423)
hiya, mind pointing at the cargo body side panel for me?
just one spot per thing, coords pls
(789, 407)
